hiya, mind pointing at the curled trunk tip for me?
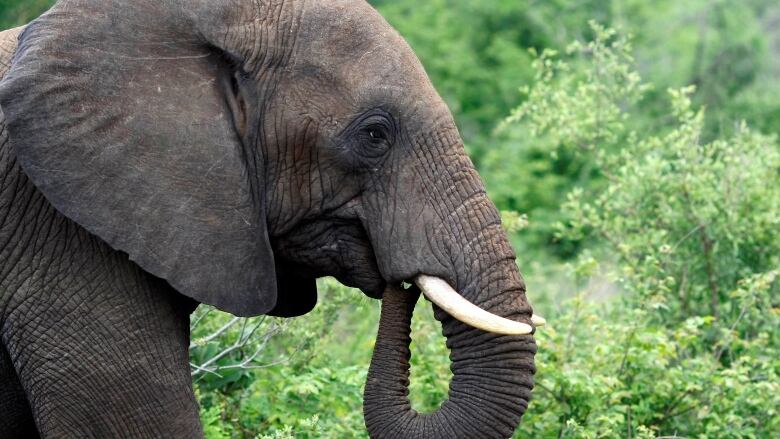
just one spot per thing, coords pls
(488, 394)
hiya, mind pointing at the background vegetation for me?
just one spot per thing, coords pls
(631, 146)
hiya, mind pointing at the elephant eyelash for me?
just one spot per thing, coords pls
(377, 126)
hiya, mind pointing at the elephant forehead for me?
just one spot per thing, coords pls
(358, 50)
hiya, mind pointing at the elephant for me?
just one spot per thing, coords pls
(160, 154)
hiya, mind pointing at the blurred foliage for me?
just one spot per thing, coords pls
(688, 232)
(636, 168)
(17, 12)
(477, 56)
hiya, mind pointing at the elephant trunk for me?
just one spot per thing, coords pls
(489, 392)
(457, 238)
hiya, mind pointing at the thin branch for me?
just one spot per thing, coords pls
(687, 235)
(246, 333)
(707, 245)
(674, 404)
(625, 352)
(731, 331)
(202, 315)
(204, 370)
(216, 334)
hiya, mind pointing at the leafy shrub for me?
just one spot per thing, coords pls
(612, 370)
(283, 376)
(307, 380)
(689, 233)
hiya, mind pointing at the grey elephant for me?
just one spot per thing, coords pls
(159, 154)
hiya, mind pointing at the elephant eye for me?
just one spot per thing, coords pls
(376, 134)
(373, 135)
(376, 138)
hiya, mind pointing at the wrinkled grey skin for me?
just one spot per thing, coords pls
(159, 154)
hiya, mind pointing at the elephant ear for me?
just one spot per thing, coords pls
(123, 114)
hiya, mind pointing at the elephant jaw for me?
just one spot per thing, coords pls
(442, 294)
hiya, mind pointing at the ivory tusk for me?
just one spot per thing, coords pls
(442, 294)
(538, 321)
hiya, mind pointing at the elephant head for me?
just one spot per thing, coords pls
(239, 149)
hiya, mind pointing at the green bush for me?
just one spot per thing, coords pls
(307, 381)
(283, 375)
(612, 370)
(688, 240)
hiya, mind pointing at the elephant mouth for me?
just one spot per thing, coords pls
(337, 247)
(341, 248)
